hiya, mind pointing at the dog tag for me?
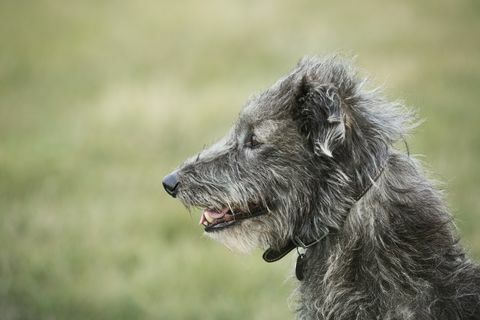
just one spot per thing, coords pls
(299, 268)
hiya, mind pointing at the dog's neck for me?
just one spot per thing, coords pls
(304, 245)
(376, 255)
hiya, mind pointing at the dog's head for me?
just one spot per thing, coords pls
(290, 162)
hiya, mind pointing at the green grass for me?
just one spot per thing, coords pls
(99, 100)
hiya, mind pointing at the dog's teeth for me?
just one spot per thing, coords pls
(202, 220)
(209, 218)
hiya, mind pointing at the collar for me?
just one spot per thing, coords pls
(272, 255)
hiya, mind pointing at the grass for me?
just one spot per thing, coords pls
(99, 100)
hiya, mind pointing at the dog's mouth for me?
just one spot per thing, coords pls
(214, 220)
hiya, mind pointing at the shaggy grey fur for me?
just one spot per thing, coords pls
(304, 150)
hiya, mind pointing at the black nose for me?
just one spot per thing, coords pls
(170, 183)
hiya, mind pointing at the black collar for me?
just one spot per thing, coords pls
(272, 255)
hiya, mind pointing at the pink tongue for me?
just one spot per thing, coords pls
(216, 214)
(212, 214)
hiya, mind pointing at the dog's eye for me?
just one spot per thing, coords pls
(252, 141)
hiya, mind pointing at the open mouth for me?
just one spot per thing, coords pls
(214, 220)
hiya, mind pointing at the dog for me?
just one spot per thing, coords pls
(311, 164)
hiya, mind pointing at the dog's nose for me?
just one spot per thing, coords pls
(170, 183)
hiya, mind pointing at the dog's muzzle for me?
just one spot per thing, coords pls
(170, 183)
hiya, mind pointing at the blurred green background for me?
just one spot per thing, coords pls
(100, 99)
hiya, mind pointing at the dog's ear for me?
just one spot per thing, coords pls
(320, 115)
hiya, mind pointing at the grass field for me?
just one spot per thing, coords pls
(100, 99)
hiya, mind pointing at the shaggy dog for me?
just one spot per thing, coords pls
(311, 164)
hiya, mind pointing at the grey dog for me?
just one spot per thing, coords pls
(311, 164)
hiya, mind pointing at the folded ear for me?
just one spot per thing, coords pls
(320, 115)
